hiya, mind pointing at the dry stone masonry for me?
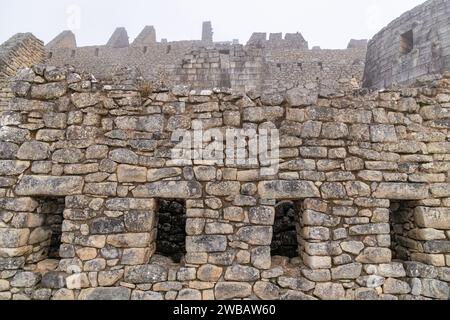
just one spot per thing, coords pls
(366, 177)
(262, 64)
(416, 45)
(350, 201)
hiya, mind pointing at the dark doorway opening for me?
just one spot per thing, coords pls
(171, 236)
(285, 230)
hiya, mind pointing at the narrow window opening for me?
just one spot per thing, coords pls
(169, 48)
(50, 55)
(406, 42)
(320, 64)
(145, 49)
(286, 229)
(47, 239)
(401, 218)
(97, 51)
(171, 234)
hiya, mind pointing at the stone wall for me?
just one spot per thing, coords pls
(413, 46)
(276, 62)
(106, 152)
(20, 51)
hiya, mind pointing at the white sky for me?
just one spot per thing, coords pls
(327, 23)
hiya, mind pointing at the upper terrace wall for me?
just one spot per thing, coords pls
(154, 60)
(107, 152)
(263, 63)
(203, 66)
(415, 45)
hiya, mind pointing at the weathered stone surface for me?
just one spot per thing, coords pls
(129, 240)
(241, 273)
(8, 150)
(189, 294)
(437, 246)
(49, 186)
(393, 270)
(206, 243)
(266, 290)
(281, 189)
(375, 255)
(296, 295)
(262, 215)
(153, 123)
(127, 173)
(261, 114)
(205, 173)
(231, 290)
(159, 174)
(223, 188)
(209, 273)
(139, 220)
(54, 280)
(299, 284)
(48, 91)
(329, 291)
(416, 269)
(353, 247)
(145, 274)
(332, 130)
(402, 191)
(20, 104)
(25, 279)
(124, 156)
(394, 286)
(85, 99)
(33, 150)
(12, 134)
(331, 190)
(255, 235)
(367, 229)
(68, 155)
(107, 226)
(383, 133)
(119, 293)
(13, 238)
(437, 218)
(146, 295)
(346, 272)
(12, 168)
(124, 204)
(169, 189)
(435, 289)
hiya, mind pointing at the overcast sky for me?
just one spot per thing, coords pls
(326, 23)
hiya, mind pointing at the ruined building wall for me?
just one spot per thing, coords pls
(327, 70)
(202, 66)
(276, 62)
(415, 45)
(275, 40)
(20, 51)
(105, 152)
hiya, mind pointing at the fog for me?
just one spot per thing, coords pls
(325, 23)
